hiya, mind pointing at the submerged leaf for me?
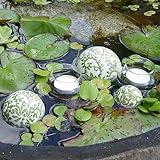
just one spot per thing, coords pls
(38, 127)
(46, 47)
(147, 43)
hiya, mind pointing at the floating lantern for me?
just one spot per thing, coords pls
(22, 108)
(100, 62)
(128, 96)
(138, 73)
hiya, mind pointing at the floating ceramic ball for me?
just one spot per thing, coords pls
(128, 96)
(100, 62)
(22, 108)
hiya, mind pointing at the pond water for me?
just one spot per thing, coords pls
(9, 134)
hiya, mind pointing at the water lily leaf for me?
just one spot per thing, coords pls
(88, 91)
(147, 43)
(9, 15)
(41, 2)
(49, 120)
(43, 88)
(40, 79)
(105, 99)
(5, 33)
(38, 127)
(26, 136)
(150, 100)
(41, 72)
(148, 121)
(76, 46)
(12, 45)
(82, 115)
(60, 110)
(155, 107)
(58, 122)
(1, 49)
(101, 83)
(54, 67)
(20, 46)
(143, 109)
(37, 138)
(45, 47)
(33, 26)
(95, 131)
(26, 143)
(16, 72)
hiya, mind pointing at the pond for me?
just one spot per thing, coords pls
(107, 36)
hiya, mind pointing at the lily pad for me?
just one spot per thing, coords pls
(46, 47)
(54, 67)
(16, 72)
(95, 131)
(49, 120)
(9, 15)
(1, 49)
(76, 46)
(146, 43)
(88, 91)
(43, 88)
(60, 110)
(5, 33)
(37, 138)
(40, 72)
(26, 136)
(38, 127)
(27, 143)
(58, 122)
(33, 26)
(82, 115)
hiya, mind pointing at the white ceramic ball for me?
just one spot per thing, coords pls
(100, 62)
(22, 108)
(128, 96)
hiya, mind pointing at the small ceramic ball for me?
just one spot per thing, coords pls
(100, 62)
(22, 108)
(128, 96)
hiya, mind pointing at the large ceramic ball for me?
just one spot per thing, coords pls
(128, 96)
(100, 62)
(22, 108)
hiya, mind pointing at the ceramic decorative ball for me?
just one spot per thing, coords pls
(100, 62)
(22, 108)
(128, 96)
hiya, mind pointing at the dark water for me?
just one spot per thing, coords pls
(11, 134)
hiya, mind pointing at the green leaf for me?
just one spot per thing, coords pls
(105, 99)
(12, 45)
(143, 109)
(150, 100)
(49, 120)
(58, 122)
(1, 49)
(60, 110)
(43, 88)
(26, 136)
(147, 43)
(155, 107)
(40, 79)
(101, 83)
(40, 72)
(76, 46)
(82, 115)
(46, 47)
(54, 67)
(95, 131)
(8, 15)
(20, 47)
(16, 72)
(37, 138)
(38, 127)
(88, 91)
(33, 26)
(5, 33)
(41, 2)
(26, 143)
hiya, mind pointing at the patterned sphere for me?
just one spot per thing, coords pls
(128, 96)
(22, 108)
(100, 62)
